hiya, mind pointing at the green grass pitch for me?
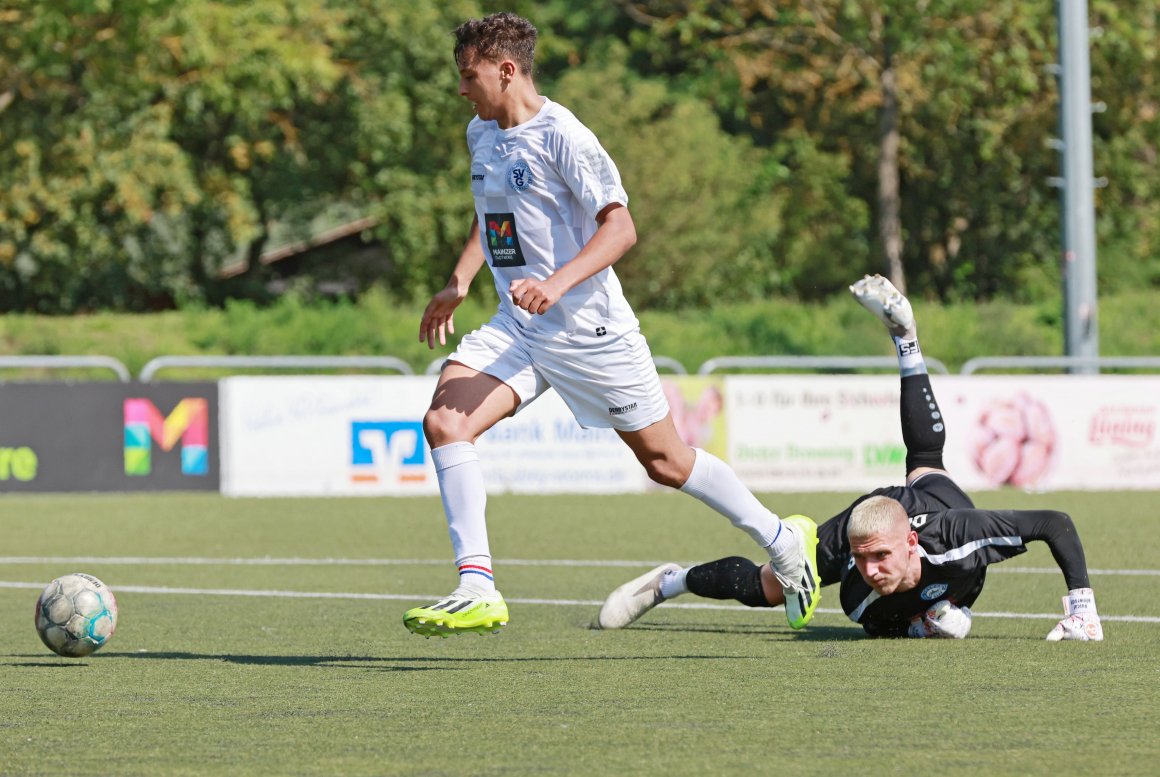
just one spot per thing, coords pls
(230, 660)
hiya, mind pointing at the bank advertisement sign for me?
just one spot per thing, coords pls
(363, 436)
(67, 437)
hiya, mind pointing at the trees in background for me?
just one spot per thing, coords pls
(769, 148)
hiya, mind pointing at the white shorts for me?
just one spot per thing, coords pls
(612, 384)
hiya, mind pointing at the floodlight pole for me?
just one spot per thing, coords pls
(1081, 334)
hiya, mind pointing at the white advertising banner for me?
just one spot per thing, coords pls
(814, 433)
(1035, 432)
(363, 435)
(1053, 432)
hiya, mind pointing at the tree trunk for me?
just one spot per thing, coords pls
(889, 225)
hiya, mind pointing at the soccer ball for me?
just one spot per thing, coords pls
(75, 615)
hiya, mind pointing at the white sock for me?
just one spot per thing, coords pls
(716, 484)
(785, 550)
(673, 583)
(910, 361)
(465, 503)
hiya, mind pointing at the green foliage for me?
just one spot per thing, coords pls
(146, 144)
(694, 191)
(377, 324)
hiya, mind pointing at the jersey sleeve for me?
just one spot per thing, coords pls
(970, 539)
(587, 169)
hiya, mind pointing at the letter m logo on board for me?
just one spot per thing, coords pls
(187, 424)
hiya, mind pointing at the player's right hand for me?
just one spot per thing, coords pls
(944, 619)
(437, 317)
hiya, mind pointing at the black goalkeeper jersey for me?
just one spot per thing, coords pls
(956, 540)
(955, 547)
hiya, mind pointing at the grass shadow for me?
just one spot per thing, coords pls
(776, 633)
(373, 662)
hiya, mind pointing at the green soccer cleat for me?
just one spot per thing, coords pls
(464, 610)
(803, 588)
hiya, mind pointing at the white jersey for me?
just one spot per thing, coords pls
(538, 187)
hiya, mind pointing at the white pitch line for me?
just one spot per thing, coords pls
(266, 561)
(164, 590)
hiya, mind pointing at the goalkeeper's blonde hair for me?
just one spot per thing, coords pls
(876, 515)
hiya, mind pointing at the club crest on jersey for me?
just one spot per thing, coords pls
(933, 591)
(519, 175)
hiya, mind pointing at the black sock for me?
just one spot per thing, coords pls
(728, 578)
(923, 429)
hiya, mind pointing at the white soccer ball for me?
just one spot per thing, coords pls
(75, 615)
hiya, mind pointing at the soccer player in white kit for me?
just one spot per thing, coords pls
(551, 218)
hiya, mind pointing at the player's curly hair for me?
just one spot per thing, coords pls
(495, 37)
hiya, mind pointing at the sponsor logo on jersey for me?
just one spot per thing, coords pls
(477, 176)
(502, 240)
(933, 591)
(519, 175)
(622, 410)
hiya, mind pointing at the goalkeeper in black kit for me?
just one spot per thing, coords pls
(910, 560)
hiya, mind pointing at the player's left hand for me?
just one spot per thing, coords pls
(534, 296)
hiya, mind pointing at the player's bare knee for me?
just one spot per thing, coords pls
(441, 427)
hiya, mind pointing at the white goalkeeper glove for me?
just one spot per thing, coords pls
(943, 620)
(1082, 622)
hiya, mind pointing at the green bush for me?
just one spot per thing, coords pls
(379, 325)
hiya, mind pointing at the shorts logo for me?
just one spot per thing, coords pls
(933, 591)
(519, 175)
(502, 240)
(601, 331)
(622, 410)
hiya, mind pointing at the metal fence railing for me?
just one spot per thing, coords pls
(662, 363)
(1087, 363)
(32, 362)
(809, 363)
(1074, 364)
(153, 366)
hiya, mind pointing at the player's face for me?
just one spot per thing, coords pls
(481, 82)
(883, 559)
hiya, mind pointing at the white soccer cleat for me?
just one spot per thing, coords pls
(633, 599)
(879, 296)
(1082, 623)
